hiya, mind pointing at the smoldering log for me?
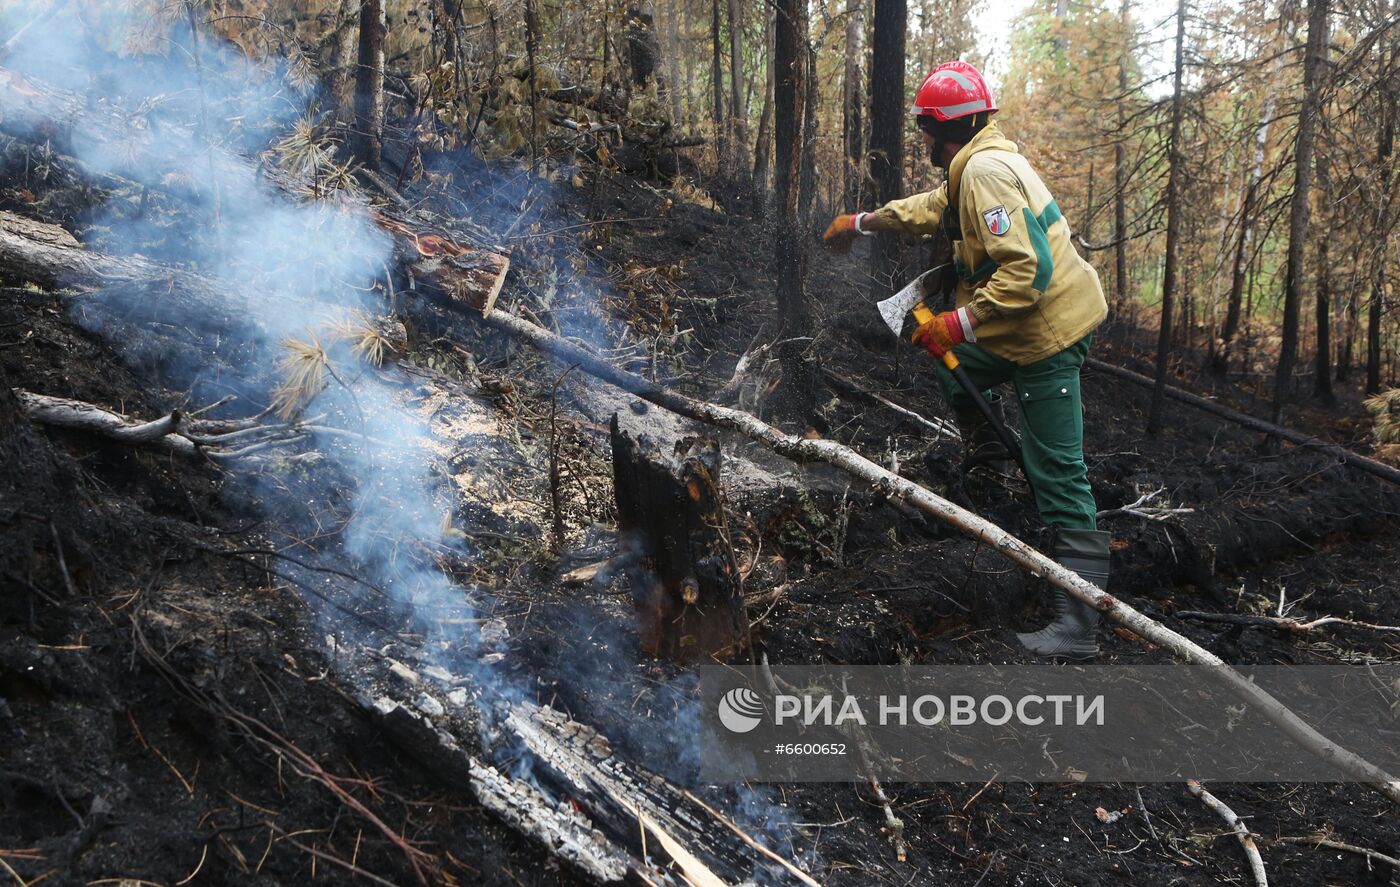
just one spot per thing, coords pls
(48, 255)
(38, 252)
(436, 259)
(685, 580)
(583, 803)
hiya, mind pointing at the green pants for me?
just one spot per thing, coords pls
(1052, 425)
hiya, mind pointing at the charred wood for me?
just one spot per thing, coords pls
(685, 581)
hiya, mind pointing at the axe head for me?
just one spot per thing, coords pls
(893, 309)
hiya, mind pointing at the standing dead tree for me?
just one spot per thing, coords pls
(887, 128)
(1299, 206)
(1174, 208)
(368, 142)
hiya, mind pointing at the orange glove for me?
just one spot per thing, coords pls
(945, 331)
(840, 233)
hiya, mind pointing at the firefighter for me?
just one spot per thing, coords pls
(1027, 306)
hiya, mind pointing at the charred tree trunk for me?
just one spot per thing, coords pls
(1249, 206)
(789, 246)
(717, 88)
(673, 51)
(807, 191)
(1322, 383)
(643, 48)
(1120, 170)
(1164, 335)
(853, 105)
(1351, 320)
(532, 48)
(673, 532)
(1298, 210)
(887, 102)
(738, 105)
(367, 143)
(1375, 311)
(762, 148)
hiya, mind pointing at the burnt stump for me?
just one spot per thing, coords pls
(675, 548)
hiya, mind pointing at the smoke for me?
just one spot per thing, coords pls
(203, 110)
(183, 113)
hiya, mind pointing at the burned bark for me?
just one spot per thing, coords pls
(618, 812)
(367, 142)
(643, 46)
(1299, 209)
(672, 528)
(887, 120)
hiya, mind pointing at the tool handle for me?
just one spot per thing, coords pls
(1002, 432)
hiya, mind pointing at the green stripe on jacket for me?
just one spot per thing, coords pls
(1035, 227)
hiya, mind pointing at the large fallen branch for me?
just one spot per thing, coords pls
(1355, 460)
(174, 432)
(848, 460)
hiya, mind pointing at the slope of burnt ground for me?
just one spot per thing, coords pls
(132, 652)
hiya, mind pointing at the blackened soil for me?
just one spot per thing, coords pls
(893, 589)
(111, 772)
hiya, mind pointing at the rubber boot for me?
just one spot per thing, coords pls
(1071, 635)
(981, 446)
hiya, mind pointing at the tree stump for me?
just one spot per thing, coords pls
(675, 547)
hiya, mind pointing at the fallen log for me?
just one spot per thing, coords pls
(51, 257)
(581, 801)
(674, 537)
(80, 416)
(1355, 460)
(848, 460)
(40, 112)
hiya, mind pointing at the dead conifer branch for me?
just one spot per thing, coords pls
(1322, 840)
(62, 412)
(176, 432)
(1283, 623)
(304, 376)
(940, 427)
(1242, 833)
(1140, 508)
(894, 826)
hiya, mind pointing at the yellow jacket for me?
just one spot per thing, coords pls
(1032, 293)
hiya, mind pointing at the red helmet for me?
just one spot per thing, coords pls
(953, 90)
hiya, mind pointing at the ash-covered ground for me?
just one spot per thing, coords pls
(174, 693)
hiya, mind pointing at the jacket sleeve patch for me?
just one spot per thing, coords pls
(998, 222)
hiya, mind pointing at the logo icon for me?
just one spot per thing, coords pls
(998, 222)
(740, 710)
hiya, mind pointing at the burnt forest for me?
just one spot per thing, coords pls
(454, 442)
